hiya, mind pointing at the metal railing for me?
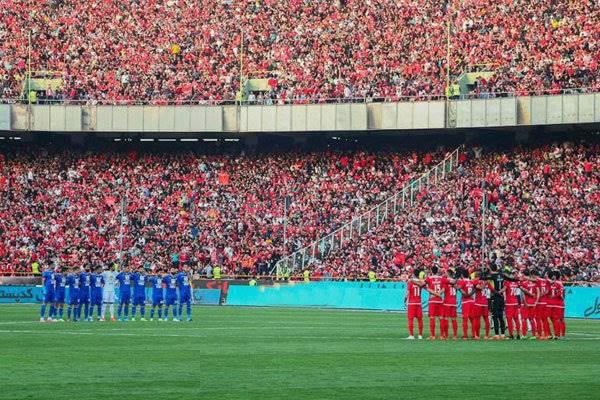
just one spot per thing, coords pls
(297, 100)
(367, 221)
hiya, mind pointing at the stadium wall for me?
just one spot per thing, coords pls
(341, 117)
(581, 302)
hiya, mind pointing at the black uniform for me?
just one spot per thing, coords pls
(497, 301)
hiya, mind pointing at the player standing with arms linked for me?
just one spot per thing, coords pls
(48, 283)
(185, 292)
(511, 299)
(96, 293)
(73, 284)
(156, 281)
(59, 293)
(467, 291)
(124, 279)
(556, 305)
(170, 282)
(434, 287)
(449, 305)
(530, 291)
(414, 305)
(108, 294)
(139, 293)
(84, 293)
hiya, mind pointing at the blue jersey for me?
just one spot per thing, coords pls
(139, 284)
(73, 284)
(183, 282)
(124, 279)
(48, 280)
(60, 282)
(97, 282)
(171, 284)
(85, 283)
(157, 286)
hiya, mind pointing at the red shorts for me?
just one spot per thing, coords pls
(512, 312)
(467, 309)
(528, 312)
(479, 311)
(450, 310)
(556, 312)
(415, 311)
(541, 311)
(436, 310)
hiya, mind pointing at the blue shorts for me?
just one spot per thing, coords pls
(171, 300)
(84, 296)
(185, 297)
(139, 299)
(48, 296)
(97, 298)
(74, 299)
(59, 296)
(157, 301)
(125, 298)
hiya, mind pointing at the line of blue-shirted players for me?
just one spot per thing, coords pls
(86, 286)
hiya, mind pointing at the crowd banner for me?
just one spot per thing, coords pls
(581, 302)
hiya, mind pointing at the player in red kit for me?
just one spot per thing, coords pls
(436, 310)
(467, 291)
(556, 305)
(528, 311)
(542, 315)
(481, 307)
(449, 305)
(414, 305)
(511, 301)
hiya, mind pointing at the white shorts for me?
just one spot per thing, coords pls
(108, 296)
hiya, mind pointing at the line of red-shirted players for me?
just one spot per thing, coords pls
(528, 298)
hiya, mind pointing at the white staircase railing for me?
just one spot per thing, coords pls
(319, 249)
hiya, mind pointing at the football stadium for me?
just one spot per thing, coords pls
(301, 199)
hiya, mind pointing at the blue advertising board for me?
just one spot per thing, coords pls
(581, 302)
(35, 294)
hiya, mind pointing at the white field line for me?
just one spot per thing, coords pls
(101, 333)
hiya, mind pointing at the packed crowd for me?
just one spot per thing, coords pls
(185, 50)
(69, 208)
(541, 213)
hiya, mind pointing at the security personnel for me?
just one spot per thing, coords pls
(372, 276)
(35, 268)
(217, 272)
(306, 275)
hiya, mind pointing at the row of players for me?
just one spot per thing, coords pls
(530, 301)
(94, 287)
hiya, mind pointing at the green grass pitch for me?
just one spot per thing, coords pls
(253, 353)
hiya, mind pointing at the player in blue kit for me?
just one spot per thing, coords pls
(60, 289)
(96, 293)
(73, 284)
(185, 292)
(124, 279)
(48, 283)
(157, 294)
(170, 282)
(139, 293)
(85, 283)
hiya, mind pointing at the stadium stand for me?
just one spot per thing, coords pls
(65, 206)
(183, 50)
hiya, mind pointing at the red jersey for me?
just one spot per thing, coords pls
(435, 283)
(544, 289)
(531, 287)
(467, 286)
(511, 293)
(482, 294)
(449, 293)
(414, 293)
(557, 294)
